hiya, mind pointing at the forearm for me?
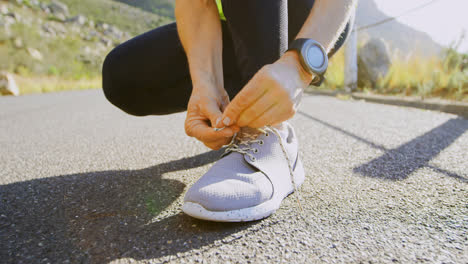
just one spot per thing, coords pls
(199, 29)
(327, 21)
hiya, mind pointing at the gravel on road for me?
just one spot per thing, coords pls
(82, 182)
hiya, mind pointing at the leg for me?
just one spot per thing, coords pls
(259, 32)
(149, 75)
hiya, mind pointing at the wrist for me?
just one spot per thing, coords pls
(207, 83)
(291, 58)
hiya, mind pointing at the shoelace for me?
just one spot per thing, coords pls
(248, 138)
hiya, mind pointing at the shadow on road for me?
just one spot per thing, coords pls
(399, 163)
(101, 216)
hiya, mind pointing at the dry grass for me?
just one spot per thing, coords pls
(445, 78)
(53, 84)
(334, 78)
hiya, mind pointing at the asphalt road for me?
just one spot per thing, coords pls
(82, 182)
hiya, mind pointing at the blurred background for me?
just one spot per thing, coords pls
(410, 48)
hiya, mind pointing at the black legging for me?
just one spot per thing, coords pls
(149, 75)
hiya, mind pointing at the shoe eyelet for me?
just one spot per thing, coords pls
(261, 142)
(255, 151)
(267, 134)
(253, 158)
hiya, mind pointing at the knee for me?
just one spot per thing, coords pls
(110, 85)
(115, 88)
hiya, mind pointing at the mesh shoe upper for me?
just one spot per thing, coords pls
(235, 182)
(229, 185)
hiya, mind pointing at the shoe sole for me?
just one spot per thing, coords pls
(253, 213)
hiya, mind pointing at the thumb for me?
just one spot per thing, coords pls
(232, 112)
(214, 114)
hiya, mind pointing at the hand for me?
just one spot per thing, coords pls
(271, 96)
(204, 110)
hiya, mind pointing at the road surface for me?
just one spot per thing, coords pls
(82, 182)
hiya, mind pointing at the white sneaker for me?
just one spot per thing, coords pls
(251, 179)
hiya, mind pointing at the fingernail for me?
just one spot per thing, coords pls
(227, 121)
(217, 121)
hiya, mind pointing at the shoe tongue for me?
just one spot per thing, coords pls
(247, 133)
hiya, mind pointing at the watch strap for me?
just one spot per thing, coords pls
(297, 46)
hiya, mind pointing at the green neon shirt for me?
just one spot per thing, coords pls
(220, 9)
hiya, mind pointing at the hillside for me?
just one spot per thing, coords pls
(402, 39)
(126, 17)
(67, 39)
(160, 7)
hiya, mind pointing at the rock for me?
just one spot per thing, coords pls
(60, 29)
(114, 33)
(18, 2)
(34, 2)
(8, 85)
(53, 29)
(107, 42)
(45, 8)
(114, 29)
(57, 7)
(92, 35)
(373, 62)
(86, 50)
(59, 17)
(35, 54)
(8, 20)
(15, 16)
(3, 9)
(18, 43)
(46, 28)
(78, 20)
(102, 26)
(91, 23)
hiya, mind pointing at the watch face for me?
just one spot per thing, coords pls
(315, 56)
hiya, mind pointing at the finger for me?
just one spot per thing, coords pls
(218, 144)
(213, 112)
(257, 109)
(274, 115)
(202, 131)
(247, 96)
(224, 102)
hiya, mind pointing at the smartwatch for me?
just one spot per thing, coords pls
(313, 58)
